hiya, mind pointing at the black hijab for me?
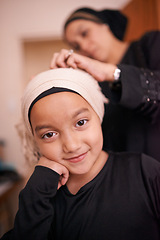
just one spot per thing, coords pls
(114, 18)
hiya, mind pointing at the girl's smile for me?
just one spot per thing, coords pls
(77, 159)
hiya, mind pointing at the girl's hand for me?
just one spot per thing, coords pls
(99, 70)
(60, 169)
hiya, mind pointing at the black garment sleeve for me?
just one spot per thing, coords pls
(140, 78)
(139, 86)
(140, 91)
(35, 214)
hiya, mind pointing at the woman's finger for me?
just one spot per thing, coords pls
(59, 59)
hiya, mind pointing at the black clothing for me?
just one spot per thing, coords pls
(132, 118)
(121, 203)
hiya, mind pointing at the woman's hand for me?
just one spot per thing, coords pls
(99, 70)
(60, 169)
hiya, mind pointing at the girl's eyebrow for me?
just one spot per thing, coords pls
(82, 110)
(38, 128)
(78, 112)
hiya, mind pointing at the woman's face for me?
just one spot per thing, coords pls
(90, 39)
(68, 131)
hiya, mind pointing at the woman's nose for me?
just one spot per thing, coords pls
(85, 47)
(71, 142)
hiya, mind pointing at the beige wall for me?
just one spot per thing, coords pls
(23, 20)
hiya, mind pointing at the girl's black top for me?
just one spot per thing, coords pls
(121, 203)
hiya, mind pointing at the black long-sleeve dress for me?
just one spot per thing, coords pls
(132, 118)
(121, 203)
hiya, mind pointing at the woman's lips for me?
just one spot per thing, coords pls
(77, 158)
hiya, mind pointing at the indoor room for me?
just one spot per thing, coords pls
(31, 32)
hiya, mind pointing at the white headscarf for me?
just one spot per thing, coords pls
(72, 79)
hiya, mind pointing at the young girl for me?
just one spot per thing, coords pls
(77, 190)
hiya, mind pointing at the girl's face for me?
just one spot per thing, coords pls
(90, 39)
(68, 131)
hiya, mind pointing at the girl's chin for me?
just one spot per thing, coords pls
(79, 172)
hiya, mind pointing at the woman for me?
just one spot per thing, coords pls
(77, 190)
(129, 74)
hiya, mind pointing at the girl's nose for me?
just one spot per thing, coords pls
(71, 142)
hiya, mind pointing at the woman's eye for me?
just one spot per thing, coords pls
(77, 47)
(81, 122)
(84, 33)
(49, 135)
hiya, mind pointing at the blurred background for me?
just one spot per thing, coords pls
(31, 31)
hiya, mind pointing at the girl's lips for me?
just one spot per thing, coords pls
(77, 158)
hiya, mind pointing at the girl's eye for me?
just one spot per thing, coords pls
(49, 135)
(81, 122)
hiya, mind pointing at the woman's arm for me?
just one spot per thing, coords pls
(140, 91)
(99, 70)
(139, 88)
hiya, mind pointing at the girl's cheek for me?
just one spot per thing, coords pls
(49, 151)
